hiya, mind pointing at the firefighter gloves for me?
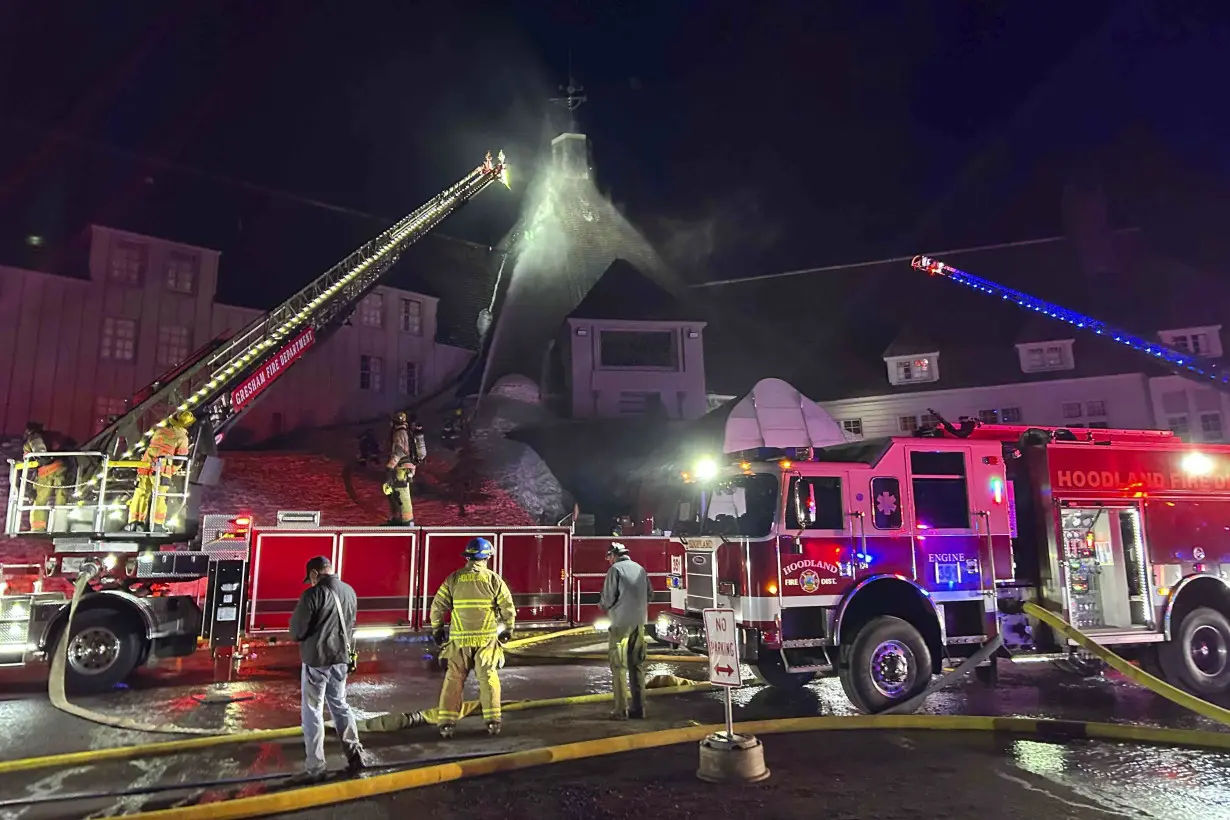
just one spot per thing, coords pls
(387, 489)
(440, 636)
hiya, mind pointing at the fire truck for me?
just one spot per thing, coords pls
(878, 560)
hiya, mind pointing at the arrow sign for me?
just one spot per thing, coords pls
(722, 642)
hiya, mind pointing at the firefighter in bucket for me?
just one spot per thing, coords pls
(482, 619)
(167, 442)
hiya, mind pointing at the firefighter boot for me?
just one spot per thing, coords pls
(446, 730)
(493, 727)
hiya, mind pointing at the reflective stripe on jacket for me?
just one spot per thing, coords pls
(479, 600)
(31, 447)
(167, 441)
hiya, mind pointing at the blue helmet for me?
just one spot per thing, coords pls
(479, 549)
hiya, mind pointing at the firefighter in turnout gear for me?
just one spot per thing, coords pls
(399, 473)
(625, 599)
(483, 618)
(170, 440)
(48, 478)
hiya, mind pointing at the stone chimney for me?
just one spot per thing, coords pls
(570, 155)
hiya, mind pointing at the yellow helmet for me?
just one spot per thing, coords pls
(399, 418)
(184, 419)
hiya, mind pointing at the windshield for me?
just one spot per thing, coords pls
(740, 505)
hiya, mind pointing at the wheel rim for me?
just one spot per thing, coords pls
(1208, 651)
(891, 664)
(93, 651)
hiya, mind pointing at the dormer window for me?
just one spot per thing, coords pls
(1041, 357)
(1201, 341)
(913, 369)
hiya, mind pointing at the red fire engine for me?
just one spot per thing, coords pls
(881, 558)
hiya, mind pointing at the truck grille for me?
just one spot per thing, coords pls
(698, 567)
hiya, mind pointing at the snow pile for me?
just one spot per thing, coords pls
(513, 465)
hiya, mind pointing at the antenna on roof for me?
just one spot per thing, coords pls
(573, 96)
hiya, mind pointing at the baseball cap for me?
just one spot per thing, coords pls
(320, 563)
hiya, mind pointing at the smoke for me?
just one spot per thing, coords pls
(736, 226)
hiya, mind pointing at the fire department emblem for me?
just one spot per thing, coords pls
(809, 581)
(1198, 554)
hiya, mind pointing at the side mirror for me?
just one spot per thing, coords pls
(802, 511)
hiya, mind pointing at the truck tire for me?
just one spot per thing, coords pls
(1197, 657)
(104, 649)
(770, 669)
(887, 663)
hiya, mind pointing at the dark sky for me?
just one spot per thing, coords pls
(743, 137)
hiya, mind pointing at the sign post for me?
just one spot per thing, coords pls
(722, 643)
(727, 757)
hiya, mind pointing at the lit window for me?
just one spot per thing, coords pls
(914, 370)
(127, 263)
(371, 373)
(412, 316)
(988, 416)
(1210, 426)
(173, 343)
(181, 272)
(371, 310)
(907, 424)
(408, 379)
(1095, 408)
(106, 408)
(119, 340)
(1010, 415)
(853, 426)
(1072, 410)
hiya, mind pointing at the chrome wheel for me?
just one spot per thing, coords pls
(890, 668)
(93, 651)
(1208, 650)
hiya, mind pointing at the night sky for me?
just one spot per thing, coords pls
(743, 138)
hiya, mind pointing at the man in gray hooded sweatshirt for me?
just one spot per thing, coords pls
(625, 600)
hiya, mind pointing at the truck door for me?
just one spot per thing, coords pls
(949, 545)
(821, 563)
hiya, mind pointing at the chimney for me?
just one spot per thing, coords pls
(570, 155)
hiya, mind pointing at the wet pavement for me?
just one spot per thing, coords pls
(844, 775)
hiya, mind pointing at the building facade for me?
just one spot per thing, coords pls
(74, 350)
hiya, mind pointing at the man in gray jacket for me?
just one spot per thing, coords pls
(625, 600)
(323, 624)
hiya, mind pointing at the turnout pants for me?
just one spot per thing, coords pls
(47, 486)
(401, 508)
(138, 507)
(485, 661)
(627, 657)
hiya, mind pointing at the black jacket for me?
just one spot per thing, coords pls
(315, 625)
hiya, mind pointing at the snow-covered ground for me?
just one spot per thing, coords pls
(261, 483)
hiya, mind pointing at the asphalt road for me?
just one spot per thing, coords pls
(843, 775)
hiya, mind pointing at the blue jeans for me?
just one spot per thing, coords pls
(320, 685)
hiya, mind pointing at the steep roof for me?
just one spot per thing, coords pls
(623, 292)
(827, 332)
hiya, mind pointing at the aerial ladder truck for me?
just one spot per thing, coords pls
(206, 397)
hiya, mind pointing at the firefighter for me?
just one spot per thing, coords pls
(171, 440)
(483, 617)
(398, 472)
(49, 478)
(418, 435)
(625, 599)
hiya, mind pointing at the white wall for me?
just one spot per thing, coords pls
(1196, 413)
(596, 389)
(1127, 399)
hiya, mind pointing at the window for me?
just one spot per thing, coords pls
(1210, 426)
(1010, 415)
(988, 416)
(371, 373)
(1035, 358)
(173, 343)
(1095, 408)
(127, 263)
(408, 379)
(928, 420)
(938, 481)
(106, 409)
(1072, 410)
(1054, 356)
(1197, 343)
(1178, 425)
(907, 424)
(1038, 358)
(886, 503)
(119, 340)
(820, 499)
(655, 349)
(371, 310)
(853, 426)
(412, 316)
(915, 370)
(181, 272)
